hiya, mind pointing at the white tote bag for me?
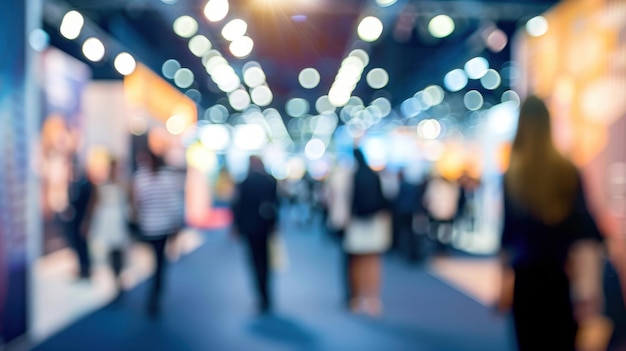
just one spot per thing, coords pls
(368, 235)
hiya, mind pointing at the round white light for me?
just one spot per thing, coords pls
(322, 104)
(93, 49)
(429, 129)
(339, 95)
(124, 63)
(370, 29)
(314, 149)
(242, 46)
(194, 95)
(385, 3)
(169, 2)
(384, 106)
(169, 68)
(297, 107)
(71, 25)
(175, 125)
(441, 26)
(183, 78)
(249, 137)
(254, 76)
(512, 96)
(455, 80)
(436, 94)
(537, 26)
(473, 100)
(491, 80)
(199, 45)
(214, 136)
(361, 55)
(309, 78)
(476, 67)
(185, 26)
(377, 78)
(138, 125)
(217, 114)
(262, 95)
(38, 39)
(234, 29)
(410, 107)
(239, 99)
(216, 10)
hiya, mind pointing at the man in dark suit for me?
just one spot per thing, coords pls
(255, 214)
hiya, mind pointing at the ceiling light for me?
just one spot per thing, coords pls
(370, 29)
(377, 78)
(169, 68)
(455, 80)
(241, 47)
(261, 95)
(441, 26)
(183, 78)
(124, 63)
(314, 149)
(491, 80)
(199, 45)
(72, 24)
(323, 105)
(185, 26)
(254, 76)
(239, 99)
(436, 94)
(297, 107)
(476, 67)
(234, 29)
(309, 78)
(473, 100)
(93, 49)
(537, 26)
(216, 10)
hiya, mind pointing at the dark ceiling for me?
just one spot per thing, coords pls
(284, 46)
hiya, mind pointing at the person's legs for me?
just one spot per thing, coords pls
(158, 247)
(347, 282)
(116, 259)
(372, 275)
(259, 260)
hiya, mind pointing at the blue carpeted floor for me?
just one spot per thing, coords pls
(208, 305)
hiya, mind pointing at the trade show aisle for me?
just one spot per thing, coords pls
(208, 306)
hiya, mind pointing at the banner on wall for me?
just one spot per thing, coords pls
(63, 84)
(13, 177)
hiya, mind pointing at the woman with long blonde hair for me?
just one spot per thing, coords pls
(550, 242)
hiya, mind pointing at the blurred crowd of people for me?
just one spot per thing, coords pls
(551, 248)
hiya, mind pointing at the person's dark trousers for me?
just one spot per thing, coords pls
(116, 259)
(80, 246)
(347, 261)
(158, 247)
(406, 237)
(258, 250)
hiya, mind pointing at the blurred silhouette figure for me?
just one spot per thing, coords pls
(405, 206)
(367, 236)
(441, 200)
(78, 215)
(550, 242)
(157, 205)
(109, 225)
(255, 215)
(338, 202)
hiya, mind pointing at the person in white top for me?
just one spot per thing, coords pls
(109, 224)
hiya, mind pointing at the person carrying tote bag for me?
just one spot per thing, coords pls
(368, 234)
